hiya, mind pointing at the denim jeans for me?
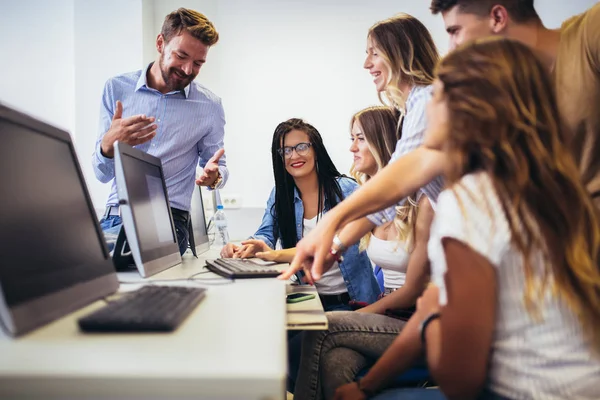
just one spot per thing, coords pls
(428, 394)
(112, 225)
(295, 349)
(333, 357)
(410, 394)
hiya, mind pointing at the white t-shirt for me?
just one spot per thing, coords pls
(332, 281)
(550, 359)
(392, 257)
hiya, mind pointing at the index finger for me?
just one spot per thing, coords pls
(215, 158)
(238, 251)
(252, 241)
(248, 252)
(308, 276)
(136, 119)
(295, 266)
(318, 261)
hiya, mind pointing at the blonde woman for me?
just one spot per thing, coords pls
(395, 246)
(401, 57)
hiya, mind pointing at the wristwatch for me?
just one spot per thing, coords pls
(217, 181)
(341, 248)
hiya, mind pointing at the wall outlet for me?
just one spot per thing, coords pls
(231, 200)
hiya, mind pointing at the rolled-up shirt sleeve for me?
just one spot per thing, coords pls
(413, 134)
(214, 141)
(104, 168)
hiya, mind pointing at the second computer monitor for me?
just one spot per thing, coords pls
(145, 210)
(199, 229)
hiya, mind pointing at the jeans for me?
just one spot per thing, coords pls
(295, 349)
(410, 394)
(112, 225)
(428, 394)
(333, 357)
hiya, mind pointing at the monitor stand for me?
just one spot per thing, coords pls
(122, 257)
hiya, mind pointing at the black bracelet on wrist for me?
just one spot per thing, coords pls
(424, 324)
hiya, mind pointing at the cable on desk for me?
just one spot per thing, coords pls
(153, 281)
(191, 278)
(210, 281)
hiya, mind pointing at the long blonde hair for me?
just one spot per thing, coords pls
(503, 119)
(379, 128)
(409, 53)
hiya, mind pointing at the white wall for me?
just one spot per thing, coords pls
(276, 59)
(36, 72)
(108, 41)
(554, 12)
(283, 59)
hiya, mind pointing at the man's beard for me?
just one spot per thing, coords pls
(167, 75)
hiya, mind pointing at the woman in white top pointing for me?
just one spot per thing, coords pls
(514, 312)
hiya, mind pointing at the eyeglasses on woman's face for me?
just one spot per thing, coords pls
(301, 149)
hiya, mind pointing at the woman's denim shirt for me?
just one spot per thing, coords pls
(356, 267)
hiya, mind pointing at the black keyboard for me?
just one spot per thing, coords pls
(149, 309)
(239, 268)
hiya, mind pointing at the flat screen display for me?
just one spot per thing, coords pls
(149, 205)
(49, 237)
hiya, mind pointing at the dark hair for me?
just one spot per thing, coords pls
(283, 210)
(518, 10)
(195, 23)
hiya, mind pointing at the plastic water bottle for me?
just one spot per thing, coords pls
(222, 237)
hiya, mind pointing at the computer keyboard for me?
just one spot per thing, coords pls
(239, 268)
(149, 309)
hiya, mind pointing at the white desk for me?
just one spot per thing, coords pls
(306, 315)
(233, 346)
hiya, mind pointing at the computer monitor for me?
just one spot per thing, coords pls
(53, 258)
(199, 231)
(145, 210)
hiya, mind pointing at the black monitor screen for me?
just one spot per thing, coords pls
(49, 239)
(198, 218)
(149, 204)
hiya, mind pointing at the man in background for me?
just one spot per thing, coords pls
(162, 111)
(572, 54)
